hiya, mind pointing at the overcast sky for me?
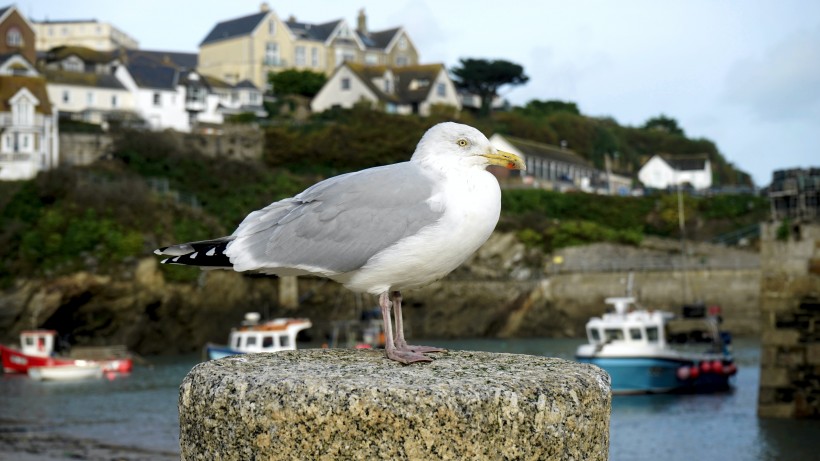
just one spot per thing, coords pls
(745, 74)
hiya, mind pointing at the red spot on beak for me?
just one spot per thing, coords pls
(510, 165)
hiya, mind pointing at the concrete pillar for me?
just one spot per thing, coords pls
(347, 404)
(289, 292)
(790, 320)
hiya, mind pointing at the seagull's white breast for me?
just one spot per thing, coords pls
(471, 201)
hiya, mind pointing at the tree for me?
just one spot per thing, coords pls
(537, 108)
(484, 78)
(665, 124)
(302, 82)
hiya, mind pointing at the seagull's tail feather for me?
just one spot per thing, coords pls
(205, 253)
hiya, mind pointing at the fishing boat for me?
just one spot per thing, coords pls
(37, 350)
(78, 371)
(652, 351)
(271, 336)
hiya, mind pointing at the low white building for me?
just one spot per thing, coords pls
(665, 171)
(402, 90)
(29, 137)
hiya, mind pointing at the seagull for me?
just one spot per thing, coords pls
(381, 230)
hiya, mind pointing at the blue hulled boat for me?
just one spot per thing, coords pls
(271, 336)
(649, 351)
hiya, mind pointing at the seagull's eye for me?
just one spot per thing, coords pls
(463, 142)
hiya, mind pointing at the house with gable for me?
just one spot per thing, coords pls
(401, 90)
(29, 136)
(16, 34)
(664, 171)
(252, 46)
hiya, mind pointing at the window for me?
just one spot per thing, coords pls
(299, 57)
(403, 43)
(388, 86)
(652, 334)
(635, 334)
(595, 335)
(371, 58)
(271, 54)
(441, 89)
(113, 100)
(237, 343)
(285, 341)
(13, 37)
(157, 99)
(271, 27)
(23, 112)
(613, 334)
(251, 341)
(89, 98)
(66, 96)
(345, 84)
(267, 341)
(314, 57)
(402, 60)
(253, 97)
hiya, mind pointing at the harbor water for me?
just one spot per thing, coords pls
(134, 417)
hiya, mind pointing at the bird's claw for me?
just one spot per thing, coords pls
(407, 356)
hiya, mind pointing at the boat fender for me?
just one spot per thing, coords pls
(730, 369)
(717, 367)
(706, 366)
(683, 373)
(694, 372)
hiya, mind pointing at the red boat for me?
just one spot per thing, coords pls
(36, 350)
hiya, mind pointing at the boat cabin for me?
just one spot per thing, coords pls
(627, 325)
(273, 336)
(38, 343)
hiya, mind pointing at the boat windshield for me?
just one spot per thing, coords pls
(652, 334)
(614, 334)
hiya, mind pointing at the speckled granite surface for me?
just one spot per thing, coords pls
(346, 404)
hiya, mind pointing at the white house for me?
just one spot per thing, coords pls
(402, 90)
(89, 97)
(29, 138)
(664, 171)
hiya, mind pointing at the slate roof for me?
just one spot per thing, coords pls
(11, 84)
(177, 59)
(547, 151)
(157, 77)
(234, 28)
(4, 9)
(246, 84)
(83, 79)
(318, 32)
(379, 40)
(695, 162)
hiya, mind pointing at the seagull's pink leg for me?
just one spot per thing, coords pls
(401, 344)
(402, 355)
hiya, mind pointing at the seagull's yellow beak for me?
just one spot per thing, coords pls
(505, 159)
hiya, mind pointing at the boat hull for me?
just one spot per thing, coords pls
(648, 375)
(15, 361)
(216, 351)
(66, 372)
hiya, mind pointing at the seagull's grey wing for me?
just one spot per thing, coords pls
(338, 224)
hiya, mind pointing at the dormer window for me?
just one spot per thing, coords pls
(14, 37)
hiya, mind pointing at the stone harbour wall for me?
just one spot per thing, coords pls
(346, 404)
(790, 321)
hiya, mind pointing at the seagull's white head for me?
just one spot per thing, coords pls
(452, 144)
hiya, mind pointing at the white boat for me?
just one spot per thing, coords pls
(650, 351)
(271, 336)
(75, 372)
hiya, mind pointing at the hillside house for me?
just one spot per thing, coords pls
(88, 33)
(665, 171)
(401, 90)
(16, 34)
(29, 137)
(550, 167)
(250, 47)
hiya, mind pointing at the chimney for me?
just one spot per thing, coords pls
(362, 24)
(292, 19)
(264, 7)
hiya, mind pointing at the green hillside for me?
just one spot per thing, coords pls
(97, 218)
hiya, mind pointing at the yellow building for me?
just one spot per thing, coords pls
(252, 46)
(90, 33)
